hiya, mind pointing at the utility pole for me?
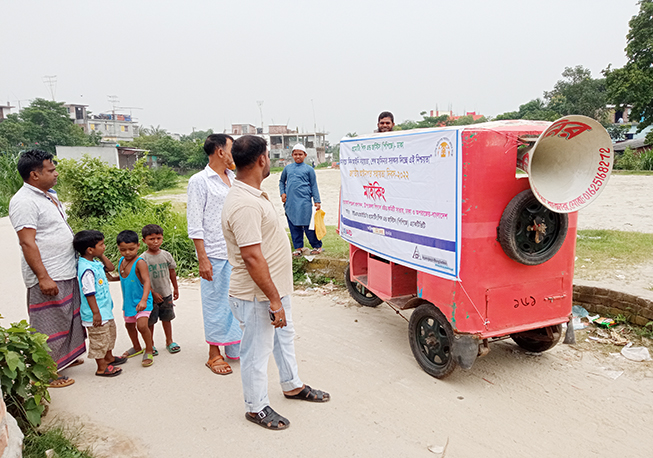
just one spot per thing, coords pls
(51, 82)
(113, 100)
(260, 109)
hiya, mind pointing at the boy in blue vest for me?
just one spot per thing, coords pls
(97, 307)
(136, 296)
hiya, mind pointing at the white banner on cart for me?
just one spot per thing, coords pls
(401, 197)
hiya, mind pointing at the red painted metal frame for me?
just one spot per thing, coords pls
(496, 295)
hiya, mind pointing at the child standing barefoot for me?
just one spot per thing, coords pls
(136, 296)
(162, 267)
(96, 309)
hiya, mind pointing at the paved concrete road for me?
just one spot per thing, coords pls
(510, 404)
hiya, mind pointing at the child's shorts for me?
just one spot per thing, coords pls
(132, 319)
(101, 339)
(163, 311)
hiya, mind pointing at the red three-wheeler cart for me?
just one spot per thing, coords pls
(474, 227)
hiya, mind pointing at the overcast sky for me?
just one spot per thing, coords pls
(337, 64)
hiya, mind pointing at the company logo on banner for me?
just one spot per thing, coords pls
(401, 197)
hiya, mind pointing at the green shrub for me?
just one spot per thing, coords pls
(628, 161)
(646, 160)
(162, 178)
(97, 190)
(175, 232)
(25, 371)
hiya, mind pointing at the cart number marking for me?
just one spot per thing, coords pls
(525, 302)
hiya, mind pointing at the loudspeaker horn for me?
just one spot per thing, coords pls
(570, 163)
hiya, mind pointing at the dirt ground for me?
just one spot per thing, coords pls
(581, 401)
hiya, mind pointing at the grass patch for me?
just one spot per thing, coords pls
(180, 188)
(57, 439)
(600, 251)
(332, 244)
(633, 172)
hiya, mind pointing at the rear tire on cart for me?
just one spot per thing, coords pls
(360, 293)
(538, 340)
(431, 340)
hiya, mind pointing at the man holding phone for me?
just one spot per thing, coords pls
(261, 286)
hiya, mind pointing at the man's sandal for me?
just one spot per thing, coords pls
(310, 394)
(269, 419)
(132, 352)
(316, 251)
(148, 360)
(110, 371)
(296, 253)
(219, 366)
(61, 382)
(118, 360)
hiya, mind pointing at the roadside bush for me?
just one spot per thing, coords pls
(10, 180)
(97, 190)
(627, 161)
(162, 178)
(25, 371)
(646, 160)
(175, 232)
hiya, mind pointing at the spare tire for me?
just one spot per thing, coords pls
(529, 232)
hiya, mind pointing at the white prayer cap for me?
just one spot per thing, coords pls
(300, 147)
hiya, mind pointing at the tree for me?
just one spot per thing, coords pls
(578, 93)
(427, 121)
(197, 135)
(633, 83)
(534, 110)
(44, 125)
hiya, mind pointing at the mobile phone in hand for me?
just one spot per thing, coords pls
(271, 316)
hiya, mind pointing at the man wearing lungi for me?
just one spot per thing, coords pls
(207, 191)
(49, 265)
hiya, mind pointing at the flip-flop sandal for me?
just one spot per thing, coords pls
(173, 348)
(219, 362)
(61, 382)
(131, 353)
(148, 359)
(316, 251)
(118, 360)
(269, 419)
(311, 395)
(296, 254)
(155, 352)
(110, 371)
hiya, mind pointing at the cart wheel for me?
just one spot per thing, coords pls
(360, 294)
(529, 232)
(431, 339)
(538, 340)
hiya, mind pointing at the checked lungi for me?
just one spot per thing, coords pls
(58, 317)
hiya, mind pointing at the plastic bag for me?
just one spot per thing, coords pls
(320, 228)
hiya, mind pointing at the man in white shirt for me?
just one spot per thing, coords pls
(48, 261)
(207, 191)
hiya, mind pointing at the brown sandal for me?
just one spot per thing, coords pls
(218, 365)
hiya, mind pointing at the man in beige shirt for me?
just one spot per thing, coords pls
(261, 286)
